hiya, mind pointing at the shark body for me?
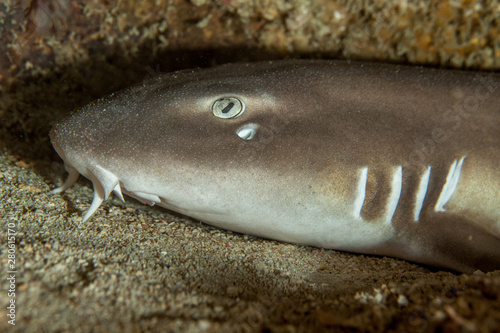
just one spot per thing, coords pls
(370, 158)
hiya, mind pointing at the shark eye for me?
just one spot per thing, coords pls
(228, 107)
(248, 131)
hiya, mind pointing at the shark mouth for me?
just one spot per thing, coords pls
(105, 182)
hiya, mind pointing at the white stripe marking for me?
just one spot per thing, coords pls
(422, 191)
(360, 192)
(392, 202)
(450, 186)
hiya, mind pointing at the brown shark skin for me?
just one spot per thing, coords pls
(320, 123)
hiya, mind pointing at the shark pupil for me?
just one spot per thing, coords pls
(228, 108)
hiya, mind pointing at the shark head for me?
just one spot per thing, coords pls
(180, 140)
